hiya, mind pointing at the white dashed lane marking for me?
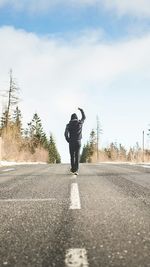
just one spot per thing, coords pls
(73, 176)
(146, 166)
(74, 197)
(7, 170)
(76, 257)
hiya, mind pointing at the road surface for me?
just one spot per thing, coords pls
(49, 218)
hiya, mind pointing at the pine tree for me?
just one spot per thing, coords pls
(107, 152)
(44, 141)
(5, 117)
(112, 152)
(85, 155)
(122, 152)
(35, 131)
(130, 155)
(93, 143)
(35, 135)
(54, 156)
(89, 149)
(17, 121)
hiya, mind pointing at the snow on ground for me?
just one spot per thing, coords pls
(11, 163)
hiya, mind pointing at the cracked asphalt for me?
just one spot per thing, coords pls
(37, 227)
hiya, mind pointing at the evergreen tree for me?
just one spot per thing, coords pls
(87, 153)
(93, 143)
(44, 141)
(130, 155)
(35, 135)
(35, 131)
(83, 156)
(17, 120)
(89, 148)
(107, 152)
(4, 120)
(54, 156)
(112, 151)
(122, 152)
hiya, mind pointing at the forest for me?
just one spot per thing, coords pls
(32, 143)
(114, 152)
(19, 144)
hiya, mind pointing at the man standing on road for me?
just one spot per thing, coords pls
(73, 135)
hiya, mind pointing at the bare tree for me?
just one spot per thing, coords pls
(12, 95)
(98, 131)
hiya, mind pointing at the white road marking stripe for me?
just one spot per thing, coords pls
(74, 197)
(27, 200)
(7, 170)
(145, 166)
(76, 257)
(73, 176)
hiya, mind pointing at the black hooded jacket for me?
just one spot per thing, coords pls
(73, 131)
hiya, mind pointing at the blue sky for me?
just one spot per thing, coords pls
(89, 53)
(61, 20)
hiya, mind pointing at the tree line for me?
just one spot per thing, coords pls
(113, 152)
(32, 138)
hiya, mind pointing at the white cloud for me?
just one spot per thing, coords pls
(57, 76)
(140, 8)
(31, 5)
(135, 7)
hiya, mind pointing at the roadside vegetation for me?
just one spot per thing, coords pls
(113, 152)
(18, 144)
(32, 143)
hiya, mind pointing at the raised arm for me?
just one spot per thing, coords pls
(83, 115)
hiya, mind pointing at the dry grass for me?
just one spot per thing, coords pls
(15, 148)
(137, 157)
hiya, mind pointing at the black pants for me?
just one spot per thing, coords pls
(74, 148)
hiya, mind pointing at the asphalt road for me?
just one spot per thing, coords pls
(51, 218)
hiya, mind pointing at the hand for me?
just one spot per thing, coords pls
(80, 109)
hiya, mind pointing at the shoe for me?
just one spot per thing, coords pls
(76, 173)
(71, 172)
